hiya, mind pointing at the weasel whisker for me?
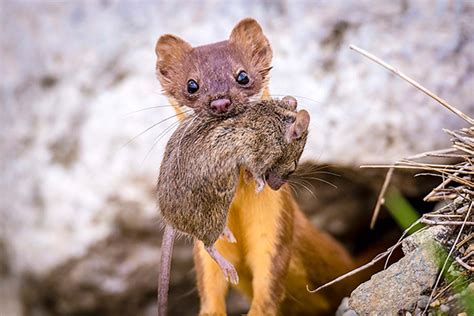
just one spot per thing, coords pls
(310, 173)
(154, 125)
(305, 187)
(149, 108)
(184, 134)
(322, 180)
(161, 135)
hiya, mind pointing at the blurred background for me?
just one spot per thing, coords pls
(80, 230)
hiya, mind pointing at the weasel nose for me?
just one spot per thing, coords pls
(220, 105)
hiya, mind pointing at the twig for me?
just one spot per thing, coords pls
(431, 222)
(417, 167)
(464, 149)
(465, 240)
(441, 215)
(441, 185)
(400, 240)
(465, 265)
(432, 153)
(447, 259)
(415, 84)
(377, 258)
(380, 199)
(350, 273)
(461, 168)
(445, 288)
(468, 255)
(459, 156)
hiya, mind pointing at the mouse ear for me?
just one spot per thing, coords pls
(248, 35)
(169, 50)
(298, 127)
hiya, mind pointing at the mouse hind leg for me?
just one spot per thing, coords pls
(211, 283)
(227, 268)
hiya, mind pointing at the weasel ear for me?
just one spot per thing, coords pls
(169, 49)
(248, 35)
(299, 127)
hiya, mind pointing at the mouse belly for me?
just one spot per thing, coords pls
(202, 217)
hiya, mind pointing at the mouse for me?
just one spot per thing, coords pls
(201, 166)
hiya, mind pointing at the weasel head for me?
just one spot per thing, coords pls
(215, 78)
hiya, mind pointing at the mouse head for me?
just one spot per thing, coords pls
(295, 138)
(212, 78)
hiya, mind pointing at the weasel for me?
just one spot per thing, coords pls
(267, 139)
(278, 252)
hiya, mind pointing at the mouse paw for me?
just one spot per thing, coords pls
(227, 268)
(227, 235)
(259, 184)
(230, 273)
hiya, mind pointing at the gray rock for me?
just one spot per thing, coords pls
(436, 233)
(444, 308)
(399, 287)
(423, 301)
(115, 277)
(71, 72)
(349, 312)
(343, 307)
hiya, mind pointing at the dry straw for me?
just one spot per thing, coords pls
(456, 189)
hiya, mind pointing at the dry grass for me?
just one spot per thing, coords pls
(456, 192)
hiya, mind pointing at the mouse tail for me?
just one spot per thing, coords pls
(165, 267)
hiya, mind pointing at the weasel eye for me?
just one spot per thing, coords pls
(193, 86)
(242, 78)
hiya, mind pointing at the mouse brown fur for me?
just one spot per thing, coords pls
(267, 139)
(200, 167)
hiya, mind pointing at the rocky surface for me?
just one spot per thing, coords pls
(77, 204)
(401, 286)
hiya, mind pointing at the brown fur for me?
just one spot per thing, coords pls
(195, 197)
(214, 67)
(277, 252)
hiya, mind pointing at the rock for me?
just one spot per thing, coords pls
(115, 277)
(344, 306)
(436, 233)
(444, 308)
(10, 299)
(344, 309)
(423, 301)
(72, 71)
(399, 287)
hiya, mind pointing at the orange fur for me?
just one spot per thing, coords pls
(278, 252)
(307, 257)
